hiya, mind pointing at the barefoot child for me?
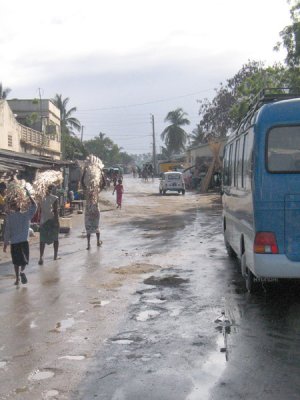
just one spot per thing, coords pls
(16, 233)
(119, 189)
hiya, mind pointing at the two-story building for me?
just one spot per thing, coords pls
(23, 148)
(34, 125)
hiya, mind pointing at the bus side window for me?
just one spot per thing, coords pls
(240, 163)
(230, 157)
(247, 159)
(236, 160)
(226, 167)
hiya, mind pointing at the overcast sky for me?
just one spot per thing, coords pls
(121, 61)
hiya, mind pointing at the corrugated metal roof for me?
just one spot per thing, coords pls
(15, 160)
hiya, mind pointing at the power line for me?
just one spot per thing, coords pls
(146, 103)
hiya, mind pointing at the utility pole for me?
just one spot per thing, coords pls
(81, 133)
(154, 146)
(41, 110)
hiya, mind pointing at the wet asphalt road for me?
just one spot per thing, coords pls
(138, 318)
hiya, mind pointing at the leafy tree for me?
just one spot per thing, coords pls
(165, 154)
(223, 113)
(109, 152)
(198, 136)
(72, 148)
(275, 77)
(31, 119)
(173, 135)
(216, 116)
(68, 123)
(100, 146)
(4, 92)
(290, 37)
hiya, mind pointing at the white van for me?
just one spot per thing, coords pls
(172, 181)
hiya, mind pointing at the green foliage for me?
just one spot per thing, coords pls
(72, 148)
(290, 38)
(198, 136)
(31, 119)
(67, 122)
(223, 113)
(109, 152)
(173, 135)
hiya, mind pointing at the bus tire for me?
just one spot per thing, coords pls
(231, 253)
(248, 275)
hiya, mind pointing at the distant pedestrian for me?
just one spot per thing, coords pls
(49, 224)
(16, 233)
(119, 189)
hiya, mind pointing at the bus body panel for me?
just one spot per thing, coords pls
(271, 203)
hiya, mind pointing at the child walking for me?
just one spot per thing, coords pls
(16, 233)
(119, 189)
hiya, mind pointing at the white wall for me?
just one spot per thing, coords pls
(16, 137)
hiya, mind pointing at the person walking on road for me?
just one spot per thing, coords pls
(49, 224)
(16, 233)
(92, 211)
(119, 189)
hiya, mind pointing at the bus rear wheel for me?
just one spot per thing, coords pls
(251, 285)
(231, 253)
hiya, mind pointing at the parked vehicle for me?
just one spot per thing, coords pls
(261, 189)
(172, 181)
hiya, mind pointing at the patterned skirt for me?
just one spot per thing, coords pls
(92, 218)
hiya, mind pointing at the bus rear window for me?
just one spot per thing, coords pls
(284, 149)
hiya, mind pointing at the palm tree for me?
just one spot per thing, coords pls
(68, 123)
(3, 92)
(173, 135)
(198, 136)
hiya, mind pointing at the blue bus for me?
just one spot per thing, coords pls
(261, 189)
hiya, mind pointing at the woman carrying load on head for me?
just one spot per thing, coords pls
(49, 225)
(92, 211)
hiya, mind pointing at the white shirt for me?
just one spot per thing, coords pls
(47, 207)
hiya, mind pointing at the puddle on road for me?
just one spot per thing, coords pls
(33, 325)
(2, 277)
(64, 324)
(40, 375)
(136, 268)
(148, 314)
(50, 394)
(72, 358)
(171, 280)
(76, 339)
(155, 301)
(122, 341)
(99, 303)
(21, 390)
(210, 373)
(175, 311)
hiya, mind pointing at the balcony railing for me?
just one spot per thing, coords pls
(29, 135)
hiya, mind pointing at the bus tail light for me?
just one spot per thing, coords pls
(265, 243)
